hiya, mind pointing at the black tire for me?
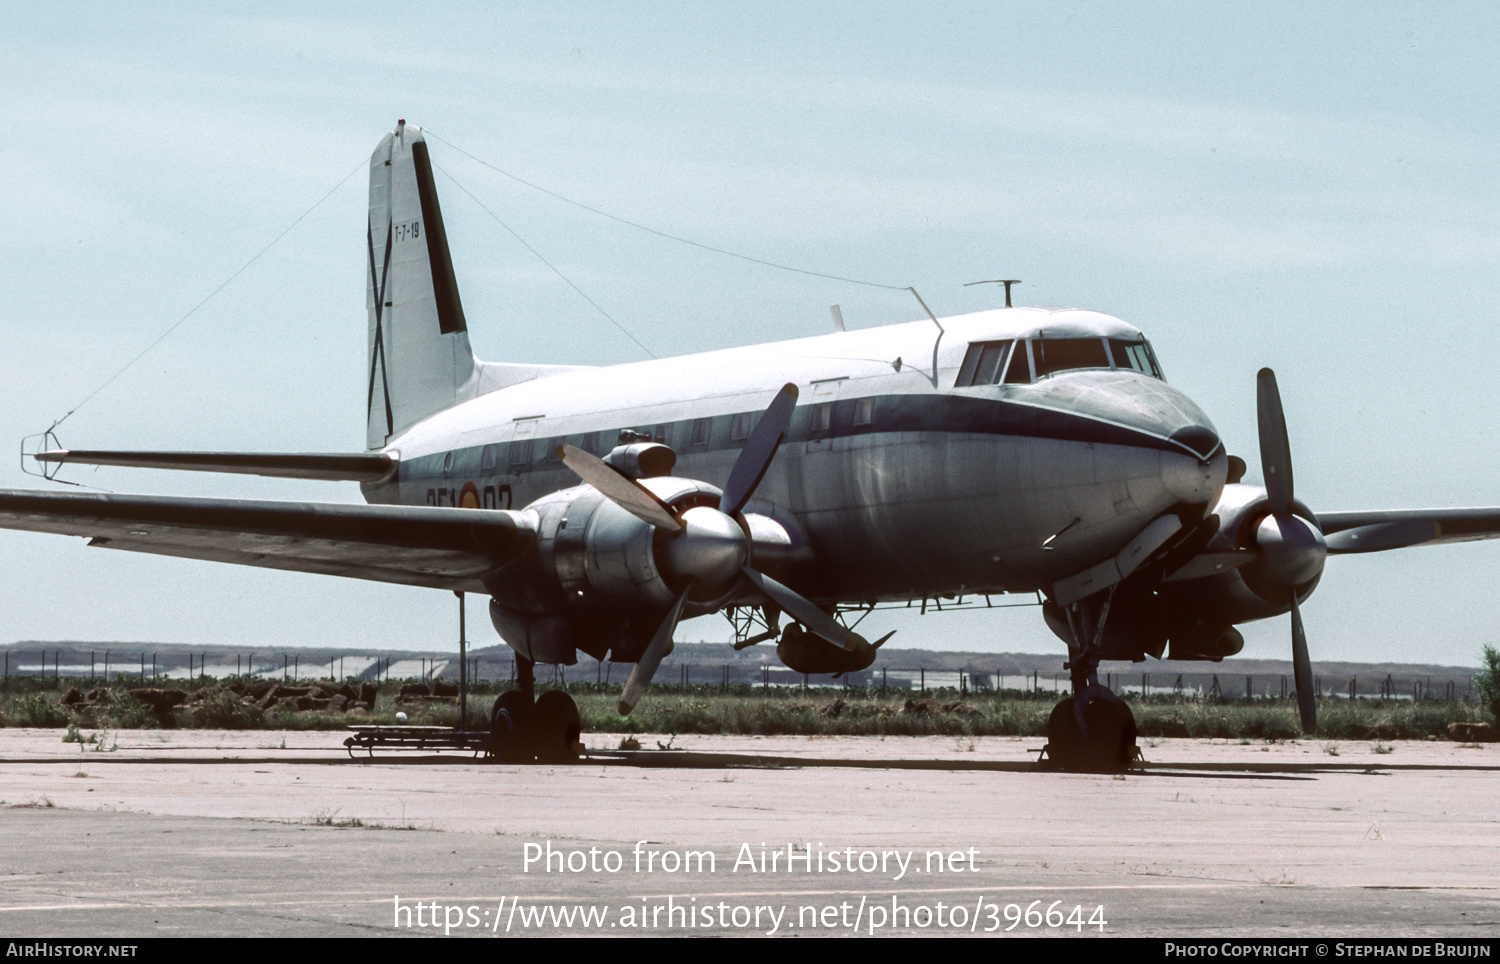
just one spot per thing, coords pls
(557, 727)
(1109, 746)
(511, 728)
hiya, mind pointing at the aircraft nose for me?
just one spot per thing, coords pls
(1196, 471)
(1201, 440)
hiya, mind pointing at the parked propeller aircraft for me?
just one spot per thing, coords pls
(1019, 450)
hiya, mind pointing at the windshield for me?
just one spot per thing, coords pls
(1135, 355)
(1027, 360)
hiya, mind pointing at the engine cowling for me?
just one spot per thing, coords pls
(596, 561)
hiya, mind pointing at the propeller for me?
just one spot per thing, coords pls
(708, 546)
(1291, 550)
(659, 649)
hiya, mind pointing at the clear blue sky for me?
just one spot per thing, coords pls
(1311, 187)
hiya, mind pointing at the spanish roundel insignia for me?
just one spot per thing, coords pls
(468, 498)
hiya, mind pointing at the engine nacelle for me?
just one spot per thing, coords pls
(1197, 616)
(592, 551)
(599, 568)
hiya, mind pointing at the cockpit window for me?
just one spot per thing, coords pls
(1135, 355)
(1022, 361)
(1019, 372)
(1065, 354)
(982, 363)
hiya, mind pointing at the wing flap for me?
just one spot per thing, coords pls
(409, 545)
(324, 466)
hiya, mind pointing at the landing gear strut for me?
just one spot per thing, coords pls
(523, 728)
(1091, 731)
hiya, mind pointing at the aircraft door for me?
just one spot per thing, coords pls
(523, 452)
(824, 394)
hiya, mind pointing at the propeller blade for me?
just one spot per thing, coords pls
(801, 609)
(760, 448)
(659, 649)
(1275, 449)
(628, 494)
(1302, 668)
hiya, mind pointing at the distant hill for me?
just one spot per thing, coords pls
(718, 662)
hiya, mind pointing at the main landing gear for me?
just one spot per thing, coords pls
(1091, 731)
(524, 728)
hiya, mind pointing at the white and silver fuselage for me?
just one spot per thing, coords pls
(902, 483)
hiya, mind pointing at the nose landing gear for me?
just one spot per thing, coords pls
(1103, 743)
(1091, 731)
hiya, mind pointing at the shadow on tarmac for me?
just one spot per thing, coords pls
(692, 760)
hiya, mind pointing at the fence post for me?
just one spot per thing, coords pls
(923, 671)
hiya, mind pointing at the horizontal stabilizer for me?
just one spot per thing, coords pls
(441, 548)
(328, 467)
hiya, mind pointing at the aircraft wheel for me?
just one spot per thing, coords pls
(1109, 745)
(512, 727)
(557, 727)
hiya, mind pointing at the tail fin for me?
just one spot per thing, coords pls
(419, 360)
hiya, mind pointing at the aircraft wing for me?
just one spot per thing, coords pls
(443, 548)
(1349, 532)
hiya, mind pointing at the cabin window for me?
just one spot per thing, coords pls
(700, 431)
(1134, 355)
(1052, 355)
(489, 455)
(520, 454)
(664, 433)
(739, 427)
(982, 364)
(822, 417)
(448, 463)
(864, 411)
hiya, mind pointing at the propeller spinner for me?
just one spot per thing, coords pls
(708, 546)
